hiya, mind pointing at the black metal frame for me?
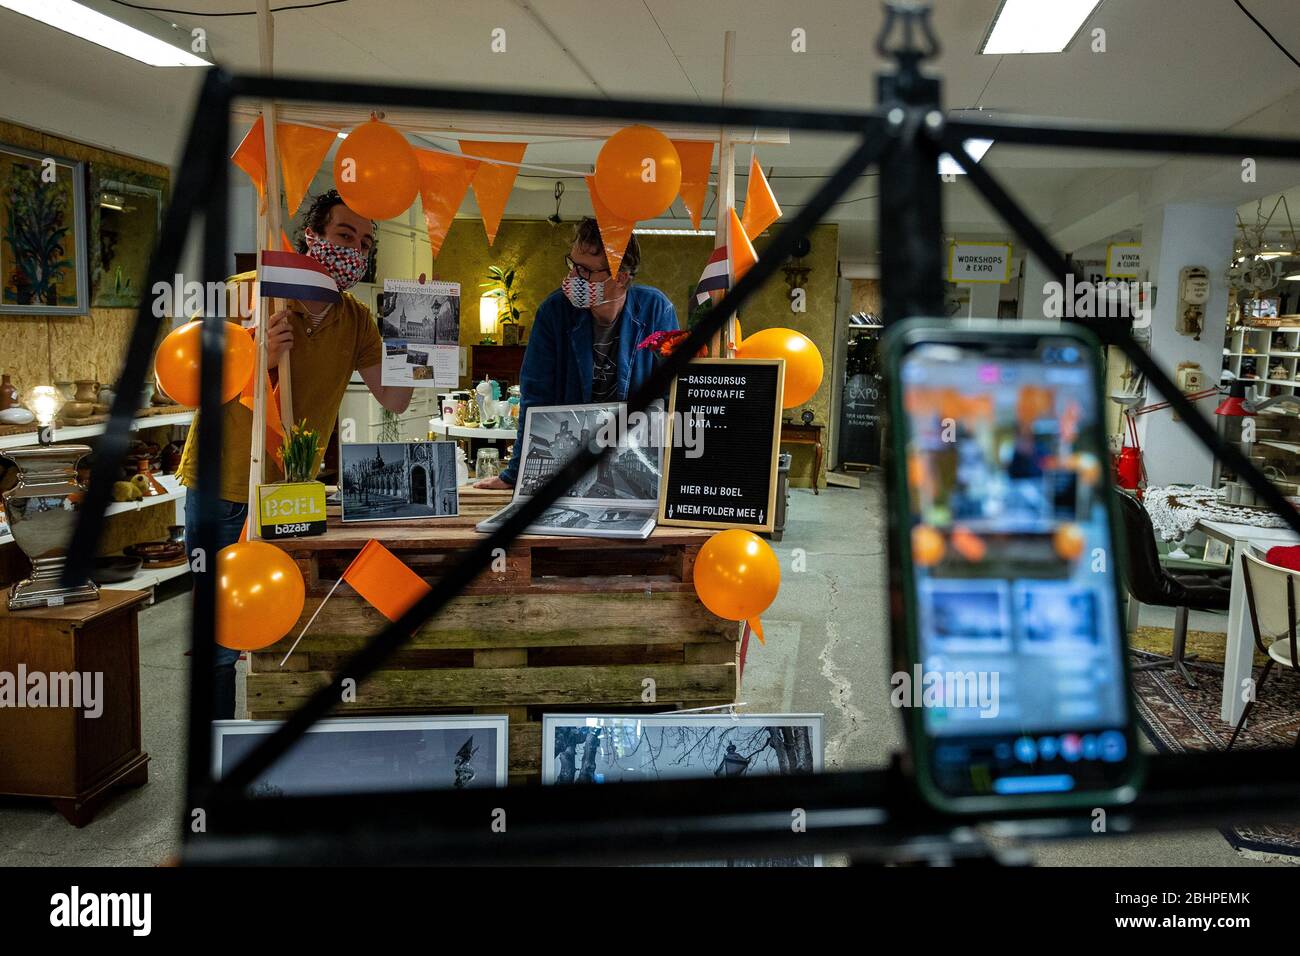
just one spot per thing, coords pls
(872, 814)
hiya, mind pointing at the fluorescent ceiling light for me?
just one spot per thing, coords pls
(153, 41)
(1037, 26)
(653, 231)
(976, 148)
(1292, 278)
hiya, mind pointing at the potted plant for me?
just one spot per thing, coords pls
(502, 285)
(295, 507)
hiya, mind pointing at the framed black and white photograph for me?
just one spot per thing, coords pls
(372, 754)
(554, 433)
(420, 325)
(566, 517)
(391, 481)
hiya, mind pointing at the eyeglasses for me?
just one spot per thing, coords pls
(582, 271)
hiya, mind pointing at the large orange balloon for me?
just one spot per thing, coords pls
(803, 362)
(638, 173)
(737, 575)
(260, 594)
(177, 362)
(376, 171)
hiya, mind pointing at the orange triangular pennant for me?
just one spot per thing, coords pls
(739, 247)
(697, 161)
(493, 181)
(614, 232)
(302, 149)
(285, 244)
(250, 156)
(761, 209)
(444, 179)
(382, 579)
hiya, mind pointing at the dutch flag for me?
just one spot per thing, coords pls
(288, 275)
(716, 277)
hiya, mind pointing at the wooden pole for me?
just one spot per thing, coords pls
(723, 344)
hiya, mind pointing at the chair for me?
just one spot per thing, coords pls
(1271, 597)
(1150, 583)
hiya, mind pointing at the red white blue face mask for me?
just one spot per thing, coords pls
(583, 293)
(345, 264)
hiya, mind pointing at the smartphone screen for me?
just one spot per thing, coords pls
(1018, 668)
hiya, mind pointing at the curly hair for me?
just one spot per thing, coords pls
(317, 218)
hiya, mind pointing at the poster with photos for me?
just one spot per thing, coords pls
(420, 325)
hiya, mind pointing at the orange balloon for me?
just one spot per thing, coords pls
(628, 159)
(737, 575)
(968, 544)
(1067, 540)
(927, 546)
(803, 362)
(176, 366)
(376, 171)
(260, 594)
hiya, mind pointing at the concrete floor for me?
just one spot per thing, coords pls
(826, 653)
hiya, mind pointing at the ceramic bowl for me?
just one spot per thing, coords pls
(16, 416)
(77, 409)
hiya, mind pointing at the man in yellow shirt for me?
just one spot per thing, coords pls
(329, 342)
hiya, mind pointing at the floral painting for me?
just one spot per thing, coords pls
(43, 264)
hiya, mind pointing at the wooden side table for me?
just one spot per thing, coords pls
(60, 753)
(801, 434)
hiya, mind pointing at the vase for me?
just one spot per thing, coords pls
(43, 508)
(87, 391)
(8, 394)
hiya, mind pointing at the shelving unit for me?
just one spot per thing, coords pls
(1280, 345)
(74, 432)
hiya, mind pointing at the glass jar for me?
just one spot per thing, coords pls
(488, 463)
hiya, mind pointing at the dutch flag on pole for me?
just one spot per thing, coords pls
(716, 276)
(288, 275)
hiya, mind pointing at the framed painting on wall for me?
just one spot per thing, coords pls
(125, 215)
(44, 269)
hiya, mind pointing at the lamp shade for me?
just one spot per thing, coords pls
(489, 307)
(1234, 406)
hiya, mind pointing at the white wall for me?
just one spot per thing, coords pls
(1173, 237)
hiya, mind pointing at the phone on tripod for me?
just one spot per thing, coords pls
(1009, 636)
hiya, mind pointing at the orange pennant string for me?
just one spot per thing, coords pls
(493, 181)
(761, 209)
(615, 233)
(444, 180)
(739, 247)
(697, 161)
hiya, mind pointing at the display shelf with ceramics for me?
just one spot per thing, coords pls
(16, 436)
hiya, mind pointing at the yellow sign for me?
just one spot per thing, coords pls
(291, 509)
(1123, 260)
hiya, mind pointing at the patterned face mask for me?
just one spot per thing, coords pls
(345, 265)
(584, 293)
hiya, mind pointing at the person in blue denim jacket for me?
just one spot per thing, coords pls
(583, 343)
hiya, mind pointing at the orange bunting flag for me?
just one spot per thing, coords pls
(301, 150)
(742, 251)
(614, 232)
(761, 209)
(444, 180)
(697, 161)
(250, 156)
(285, 244)
(382, 579)
(493, 181)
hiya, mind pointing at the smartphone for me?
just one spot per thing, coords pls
(1012, 665)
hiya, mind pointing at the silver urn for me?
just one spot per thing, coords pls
(42, 509)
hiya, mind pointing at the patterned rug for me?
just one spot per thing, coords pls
(1177, 718)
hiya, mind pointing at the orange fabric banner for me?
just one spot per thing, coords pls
(741, 249)
(614, 232)
(761, 209)
(492, 181)
(697, 161)
(302, 149)
(444, 180)
(285, 243)
(381, 578)
(250, 156)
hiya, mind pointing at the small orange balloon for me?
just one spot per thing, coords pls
(927, 546)
(803, 362)
(176, 366)
(376, 171)
(1067, 540)
(638, 173)
(260, 594)
(737, 575)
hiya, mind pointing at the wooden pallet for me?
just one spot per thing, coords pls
(565, 624)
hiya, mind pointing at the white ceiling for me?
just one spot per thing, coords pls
(1197, 64)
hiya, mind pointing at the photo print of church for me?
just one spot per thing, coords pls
(385, 481)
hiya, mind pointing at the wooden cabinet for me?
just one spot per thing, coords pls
(72, 755)
(499, 362)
